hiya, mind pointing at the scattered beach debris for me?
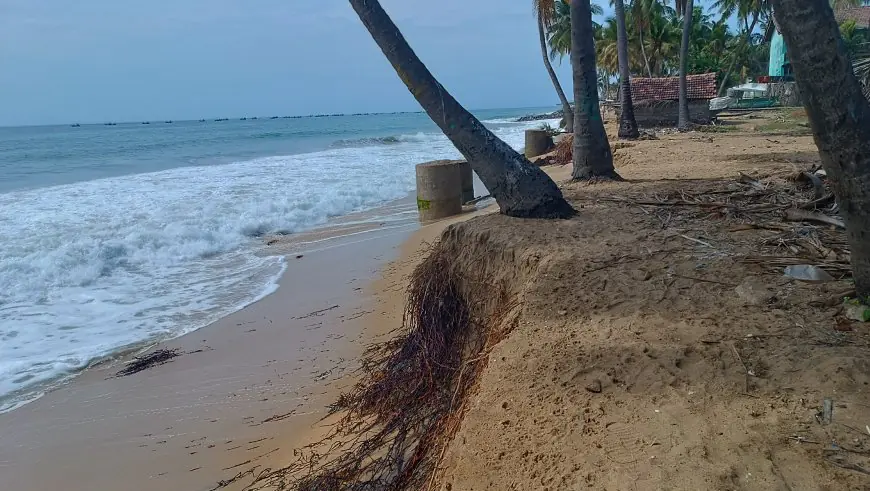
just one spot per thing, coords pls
(594, 386)
(856, 311)
(317, 313)
(808, 273)
(827, 413)
(753, 292)
(796, 215)
(806, 230)
(564, 150)
(478, 200)
(149, 360)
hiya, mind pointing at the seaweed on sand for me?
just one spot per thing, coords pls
(144, 362)
(396, 422)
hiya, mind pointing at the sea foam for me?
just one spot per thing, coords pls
(89, 268)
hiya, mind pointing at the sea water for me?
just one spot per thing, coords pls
(116, 235)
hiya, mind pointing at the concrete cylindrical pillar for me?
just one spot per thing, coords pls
(467, 177)
(439, 189)
(538, 142)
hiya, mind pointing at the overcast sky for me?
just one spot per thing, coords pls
(109, 60)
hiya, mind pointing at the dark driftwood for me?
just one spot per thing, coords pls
(144, 362)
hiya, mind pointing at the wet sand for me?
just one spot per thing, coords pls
(247, 389)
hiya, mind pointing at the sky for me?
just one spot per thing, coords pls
(89, 61)
(94, 61)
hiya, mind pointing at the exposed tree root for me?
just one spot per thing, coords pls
(397, 421)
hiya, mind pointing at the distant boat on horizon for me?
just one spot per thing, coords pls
(75, 125)
(168, 122)
(243, 119)
(202, 121)
(110, 124)
(146, 122)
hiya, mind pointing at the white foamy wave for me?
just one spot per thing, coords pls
(499, 121)
(421, 137)
(529, 124)
(92, 267)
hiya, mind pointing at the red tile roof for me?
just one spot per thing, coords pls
(861, 15)
(668, 88)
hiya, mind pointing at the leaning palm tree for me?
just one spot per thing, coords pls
(839, 116)
(627, 123)
(545, 12)
(592, 156)
(520, 188)
(687, 8)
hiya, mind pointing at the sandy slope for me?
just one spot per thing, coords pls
(636, 364)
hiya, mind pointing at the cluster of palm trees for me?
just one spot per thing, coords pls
(656, 39)
(642, 37)
(654, 36)
(839, 113)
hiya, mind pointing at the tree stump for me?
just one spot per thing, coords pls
(439, 189)
(538, 142)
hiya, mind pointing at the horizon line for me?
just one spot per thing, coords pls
(244, 118)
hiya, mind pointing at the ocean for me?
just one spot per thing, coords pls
(112, 236)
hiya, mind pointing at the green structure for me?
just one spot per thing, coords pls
(778, 64)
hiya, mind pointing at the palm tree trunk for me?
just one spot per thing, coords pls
(627, 123)
(683, 120)
(739, 50)
(567, 113)
(839, 117)
(643, 53)
(592, 155)
(520, 188)
(769, 29)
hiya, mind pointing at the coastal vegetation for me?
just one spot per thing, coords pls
(654, 40)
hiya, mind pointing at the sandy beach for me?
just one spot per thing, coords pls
(643, 346)
(246, 390)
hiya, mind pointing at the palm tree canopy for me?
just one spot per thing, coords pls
(743, 9)
(545, 10)
(559, 31)
(713, 43)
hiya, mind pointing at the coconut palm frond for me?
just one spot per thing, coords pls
(862, 69)
(545, 10)
(559, 31)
